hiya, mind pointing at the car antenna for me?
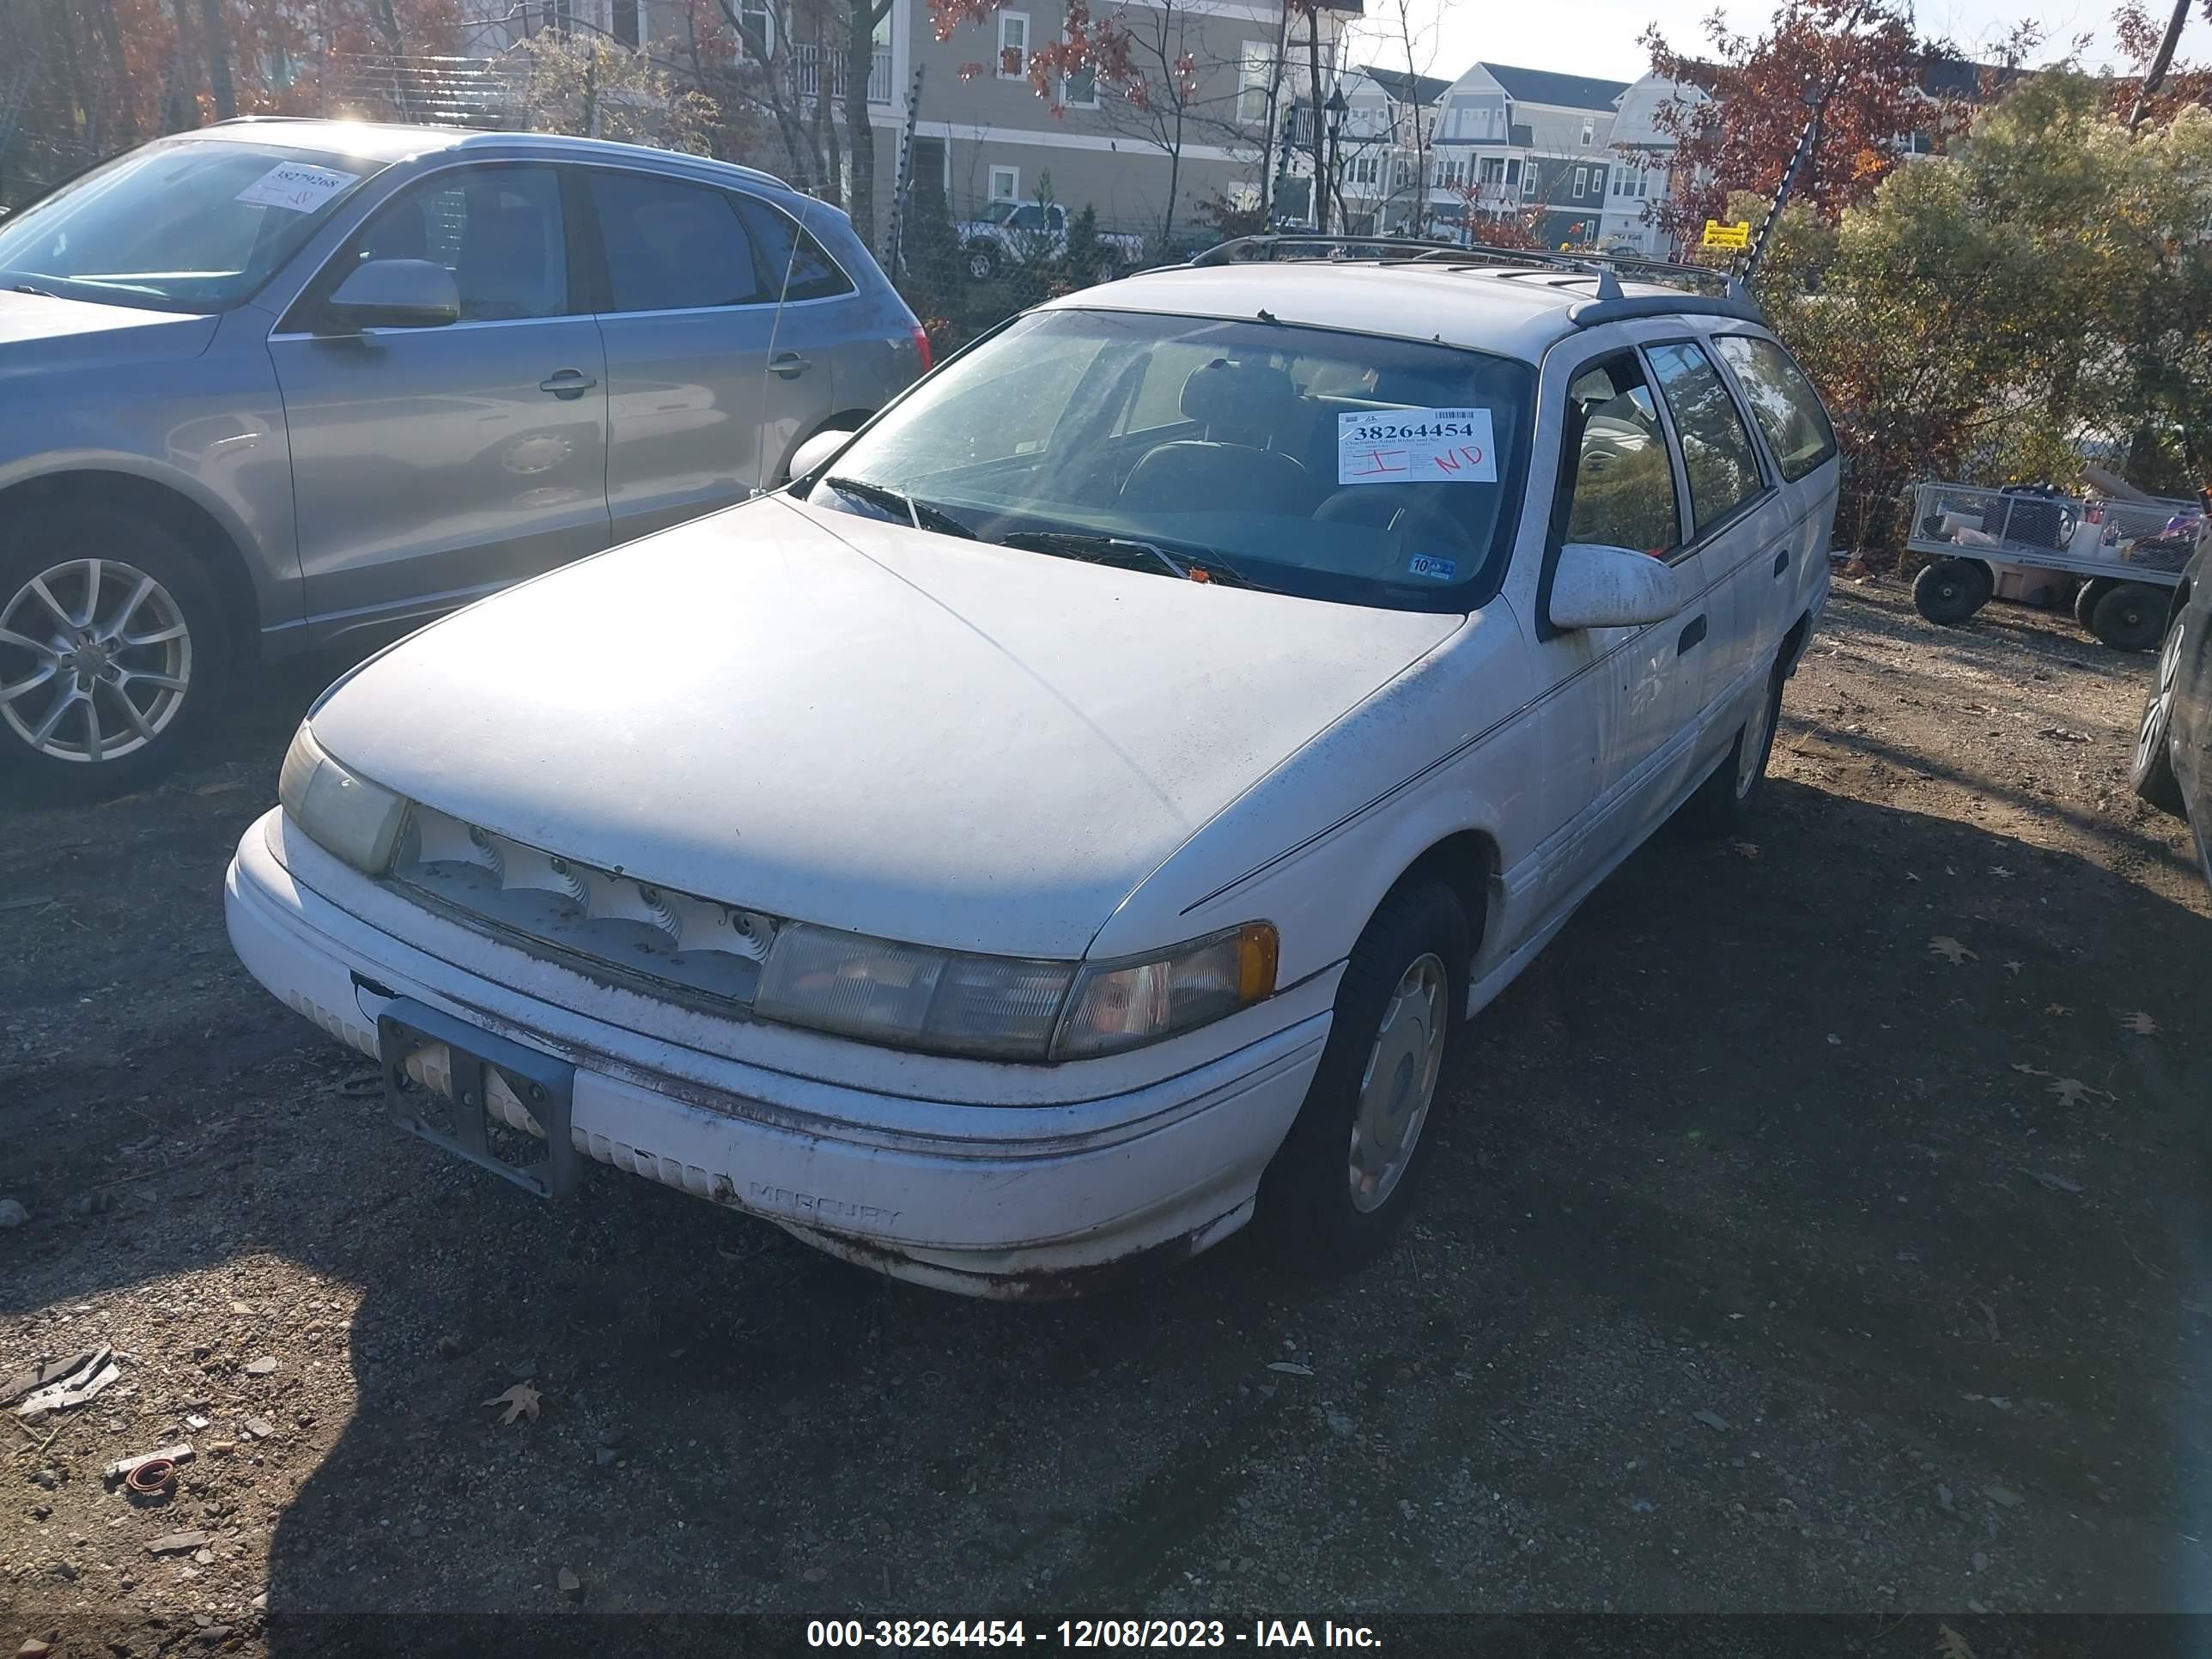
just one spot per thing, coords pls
(1739, 282)
(1266, 315)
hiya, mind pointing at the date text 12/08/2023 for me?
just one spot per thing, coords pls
(1285, 1634)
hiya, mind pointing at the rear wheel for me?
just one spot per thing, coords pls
(1344, 1179)
(1725, 802)
(2130, 616)
(2151, 768)
(983, 261)
(112, 645)
(1951, 590)
(2085, 601)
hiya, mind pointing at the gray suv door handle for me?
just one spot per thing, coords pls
(567, 383)
(790, 365)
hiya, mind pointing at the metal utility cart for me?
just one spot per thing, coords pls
(2019, 544)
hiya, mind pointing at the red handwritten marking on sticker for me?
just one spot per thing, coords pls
(1383, 460)
(1444, 461)
(1473, 453)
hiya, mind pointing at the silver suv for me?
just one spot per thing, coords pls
(273, 383)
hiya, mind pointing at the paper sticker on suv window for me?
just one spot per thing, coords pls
(1415, 446)
(1437, 570)
(295, 186)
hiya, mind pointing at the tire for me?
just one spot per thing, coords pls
(136, 582)
(1396, 1007)
(983, 261)
(2150, 769)
(1951, 590)
(2130, 617)
(2085, 599)
(1727, 801)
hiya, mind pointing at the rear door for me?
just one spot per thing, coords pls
(1739, 524)
(1801, 446)
(430, 465)
(703, 396)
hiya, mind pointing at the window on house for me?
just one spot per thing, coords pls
(1365, 169)
(756, 31)
(1589, 131)
(1013, 45)
(1401, 172)
(1006, 184)
(624, 16)
(1581, 180)
(1493, 170)
(1255, 80)
(1529, 185)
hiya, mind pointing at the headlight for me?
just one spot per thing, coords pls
(347, 816)
(1119, 1005)
(911, 996)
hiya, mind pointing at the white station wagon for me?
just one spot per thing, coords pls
(1070, 822)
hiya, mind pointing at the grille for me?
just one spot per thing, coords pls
(572, 910)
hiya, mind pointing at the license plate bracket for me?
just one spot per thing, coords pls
(546, 1085)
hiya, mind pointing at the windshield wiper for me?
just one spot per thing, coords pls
(1130, 553)
(920, 514)
(27, 288)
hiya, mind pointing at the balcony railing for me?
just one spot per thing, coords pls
(810, 74)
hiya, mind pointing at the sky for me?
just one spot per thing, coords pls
(1598, 37)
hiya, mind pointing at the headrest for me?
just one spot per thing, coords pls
(1238, 398)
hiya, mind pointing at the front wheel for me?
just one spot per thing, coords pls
(2150, 769)
(111, 645)
(983, 261)
(1344, 1179)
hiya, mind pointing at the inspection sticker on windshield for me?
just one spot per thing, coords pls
(1415, 446)
(1437, 570)
(295, 186)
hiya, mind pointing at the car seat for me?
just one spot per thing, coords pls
(1242, 408)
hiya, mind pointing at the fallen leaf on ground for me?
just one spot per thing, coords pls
(2072, 1091)
(520, 1401)
(2140, 1024)
(2057, 1008)
(2000, 873)
(1289, 1369)
(2015, 967)
(1950, 950)
(1951, 1645)
(2057, 1183)
(2026, 1070)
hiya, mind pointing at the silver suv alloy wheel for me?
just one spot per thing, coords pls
(96, 660)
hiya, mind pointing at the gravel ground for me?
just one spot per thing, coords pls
(1773, 1262)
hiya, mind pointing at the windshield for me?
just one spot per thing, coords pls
(1335, 465)
(193, 226)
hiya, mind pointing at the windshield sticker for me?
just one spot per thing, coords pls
(1415, 446)
(295, 186)
(1437, 570)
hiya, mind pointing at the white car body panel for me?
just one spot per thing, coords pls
(977, 747)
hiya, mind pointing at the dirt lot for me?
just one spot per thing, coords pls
(1774, 1263)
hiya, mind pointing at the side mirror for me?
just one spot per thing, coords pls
(397, 294)
(814, 454)
(1595, 586)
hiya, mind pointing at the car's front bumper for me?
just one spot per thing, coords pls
(964, 1195)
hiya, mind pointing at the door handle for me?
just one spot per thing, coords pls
(1691, 635)
(790, 365)
(567, 383)
(1782, 562)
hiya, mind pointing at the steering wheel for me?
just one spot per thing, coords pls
(1407, 515)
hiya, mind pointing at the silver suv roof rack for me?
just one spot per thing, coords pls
(1608, 303)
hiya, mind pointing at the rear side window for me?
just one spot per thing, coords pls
(1783, 402)
(785, 246)
(1717, 450)
(672, 247)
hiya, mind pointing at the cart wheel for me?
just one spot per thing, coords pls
(2130, 617)
(2085, 602)
(1951, 590)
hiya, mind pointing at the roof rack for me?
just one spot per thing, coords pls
(1609, 303)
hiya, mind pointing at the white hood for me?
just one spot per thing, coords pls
(849, 722)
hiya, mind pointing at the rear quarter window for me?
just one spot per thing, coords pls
(1783, 402)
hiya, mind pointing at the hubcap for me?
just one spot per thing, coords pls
(1752, 752)
(1398, 1084)
(94, 660)
(2152, 738)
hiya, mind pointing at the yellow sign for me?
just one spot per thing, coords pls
(1720, 235)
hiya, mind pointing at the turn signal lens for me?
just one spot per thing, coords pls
(345, 815)
(1118, 1005)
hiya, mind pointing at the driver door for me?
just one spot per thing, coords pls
(1621, 702)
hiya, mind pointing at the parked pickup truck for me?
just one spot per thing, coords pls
(1034, 233)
